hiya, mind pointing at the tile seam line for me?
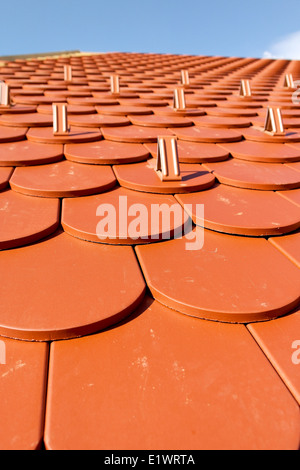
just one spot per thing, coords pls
(272, 365)
(147, 290)
(47, 363)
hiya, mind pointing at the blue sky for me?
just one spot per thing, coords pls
(255, 28)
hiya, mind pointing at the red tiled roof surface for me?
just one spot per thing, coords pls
(124, 335)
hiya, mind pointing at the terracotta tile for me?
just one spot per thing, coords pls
(98, 120)
(258, 135)
(44, 135)
(262, 152)
(289, 123)
(238, 99)
(197, 104)
(24, 219)
(36, 100)
(293, 196)
(252, 175)
(222, 122)
(21, 92)
(26, 120)
(169, 369)
(215, 92)
(294, 166)
(5, 174)
(294, 146)
(234, 210)
(93, 286)
(123, 110)
(192, 152)
(155, 95)
(168, 111)
(68, 94)
(242, 105)
(80, 219)
(134, 134)
(106, 152)
(289, 246)
(12, 134)
(72, 110)
(202, 134)
(201, 98)
(283, 104)
(81, 81)
(227, 112)
(92, 101)
(23, 390)
(28, 153)
(80, 88)
(62, 286)
(62, 179)
(286, 113)
(143, 177)
(230, 279)
(160, 121)
(43, 87)
(123, 95)
(148, 103)
(18, 109)
(278, 339)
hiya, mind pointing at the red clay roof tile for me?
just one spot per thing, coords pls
(26, 120)
(23, 387)
(193, 152)
(79, 217)
(293, 196)
(24, 220)
(160, 121)
(231, 279)
(134, 134)
(5, 174)
(289, 246)
(280, 342)
(12, 134)
(62, 179)
(258, 135)
(234, 210)
(18, 109)
(227, 112)
(188, 112)
(207, 135)
(252, 175)
(28, 153)
(263, 152)
(123, 110)
(92, 101)
(62, 293)
(76, 135)
(166, 381)
(143, 177)
(106, 152)
(242, 266)
(72, 109)
(294, 166)
(222, 122)
(98, 120)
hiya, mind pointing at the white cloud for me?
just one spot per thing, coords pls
(286, 48)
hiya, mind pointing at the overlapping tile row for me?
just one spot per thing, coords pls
(66, 274)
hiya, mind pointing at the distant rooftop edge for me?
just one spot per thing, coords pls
(41, 55)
